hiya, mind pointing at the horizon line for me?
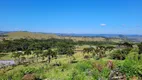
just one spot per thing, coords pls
(70, 33)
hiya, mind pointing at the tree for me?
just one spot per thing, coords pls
(54, 54)
(110, 48)
(49, 54)
(125, 45)
(88, 50)
(64, 48)
(120, 54)
(100, 51)
(140, 48)
(70, 52)
(27, 52)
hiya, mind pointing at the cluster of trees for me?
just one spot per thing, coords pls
(50, 47)
(98, 50)
(119, 52)
(31, 44)
(96, 43)
(39, 48)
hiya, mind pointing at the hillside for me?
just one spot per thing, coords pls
(29, 35)
(38, 35)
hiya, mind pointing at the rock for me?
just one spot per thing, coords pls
(29, 77)
(116, 75)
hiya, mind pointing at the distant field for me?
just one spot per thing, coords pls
(93, 39)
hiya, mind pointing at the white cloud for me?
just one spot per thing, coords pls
(102, 24)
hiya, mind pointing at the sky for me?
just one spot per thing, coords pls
(72, 16)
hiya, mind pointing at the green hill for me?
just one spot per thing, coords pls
(29, 35)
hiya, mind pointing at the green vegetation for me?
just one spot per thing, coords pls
(66, 59)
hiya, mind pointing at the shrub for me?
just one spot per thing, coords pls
(75, 75)
(140, 58)
(119, 54)
(65, 66)
(135, 50)
(95, 74)
(132, 65)
(98, 66)
(86, 57)
(103, 75)
(133, 56)
(29, 70)
(129, 68)
(84, 65)
(16, 75)
(3, 77)
(73, 61)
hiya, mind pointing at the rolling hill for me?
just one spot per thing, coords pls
(39, 35)
(29, 35)
(10, 35)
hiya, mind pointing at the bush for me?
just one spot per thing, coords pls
(130, 68)
(76, 75)
(132, 65)
(103, 75)
(64, 67)
(98, 66)
(29, 70)
(119, 54)
(133, 56)
(86, 57)
(83, 66)
(16, 75)
(73, 61)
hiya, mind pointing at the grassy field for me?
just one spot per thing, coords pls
(68, 60)
(50, 72)
(81, 69)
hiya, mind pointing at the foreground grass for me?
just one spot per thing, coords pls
(82, 70)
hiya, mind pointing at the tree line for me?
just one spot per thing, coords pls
(43, 44)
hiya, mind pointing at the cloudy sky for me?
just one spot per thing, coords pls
(72, 16)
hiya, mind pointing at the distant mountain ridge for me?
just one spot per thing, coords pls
(3, 32)
(130, 37)
(85, 35)
(95, 35)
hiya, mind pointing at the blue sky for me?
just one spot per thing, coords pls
(72, 16)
